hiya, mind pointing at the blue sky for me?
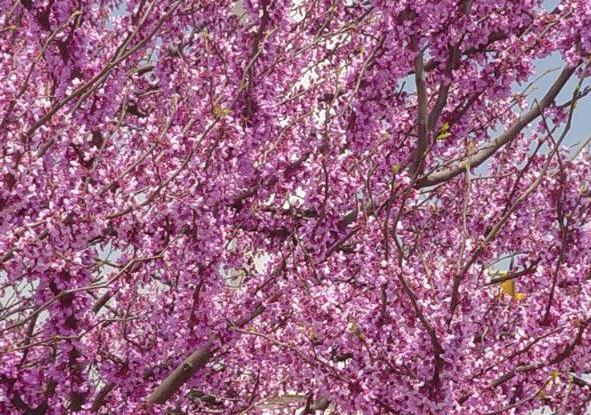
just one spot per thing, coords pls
(581, 126)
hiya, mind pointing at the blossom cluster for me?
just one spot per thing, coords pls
(269, 206)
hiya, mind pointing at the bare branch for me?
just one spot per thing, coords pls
(422, 112)
(486, 152)
(192, 364)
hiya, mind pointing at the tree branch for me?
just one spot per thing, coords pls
(196, 361)
(422, 112)
(486, 152)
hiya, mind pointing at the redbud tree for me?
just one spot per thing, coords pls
(293, 206)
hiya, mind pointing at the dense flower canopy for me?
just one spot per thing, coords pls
(279, 206)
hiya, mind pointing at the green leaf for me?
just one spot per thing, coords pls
(444, 132)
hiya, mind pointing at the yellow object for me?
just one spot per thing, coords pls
(509, 287)
(444, 132)
(220, 111)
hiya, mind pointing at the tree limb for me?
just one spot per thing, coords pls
(422, 112)
(486, 152)
(196, 361)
